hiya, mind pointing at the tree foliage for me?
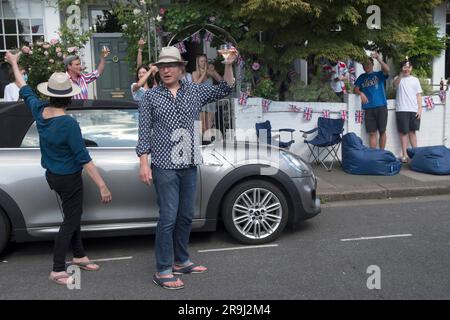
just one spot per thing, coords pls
(300, 28)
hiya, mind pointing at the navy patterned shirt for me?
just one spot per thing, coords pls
(169, 127)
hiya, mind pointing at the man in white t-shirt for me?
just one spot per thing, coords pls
(408, 107)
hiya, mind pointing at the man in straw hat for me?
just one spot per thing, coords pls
(169, 132)
(64, 156)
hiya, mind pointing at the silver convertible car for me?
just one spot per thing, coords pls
(256, 190)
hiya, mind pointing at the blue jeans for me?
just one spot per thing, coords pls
(176, 194)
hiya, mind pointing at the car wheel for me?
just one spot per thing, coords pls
(255, 212)
(5, 231)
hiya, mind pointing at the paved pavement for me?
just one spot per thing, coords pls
(338, 185)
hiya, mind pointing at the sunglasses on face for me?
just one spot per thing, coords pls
(168, 65)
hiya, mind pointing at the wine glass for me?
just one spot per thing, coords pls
(105, 51)
(225, 51)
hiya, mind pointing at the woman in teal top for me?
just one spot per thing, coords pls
(64, 156)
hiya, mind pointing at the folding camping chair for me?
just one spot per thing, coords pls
(265, 128)
(327, 141)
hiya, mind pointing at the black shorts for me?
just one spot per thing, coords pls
(376, 119)
(407, 121)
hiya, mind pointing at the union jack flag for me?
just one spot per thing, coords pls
(209, 36)
(265, 105)
(352, 71)
(243, 98)
(307, 114)
(196, 37)
(442, 95)
(326, 114)
(359, 116)
(294, 108)
(429, 103)
(180, 46)
(344, 115)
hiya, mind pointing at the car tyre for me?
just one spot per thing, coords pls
(5, 231)
(253, 220)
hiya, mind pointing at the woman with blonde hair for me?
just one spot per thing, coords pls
(205, 73)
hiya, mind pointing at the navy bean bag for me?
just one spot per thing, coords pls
(433, 160)
(359, 159)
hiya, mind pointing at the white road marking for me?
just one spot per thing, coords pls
(108, 259)
(240, 248)
(380, 237)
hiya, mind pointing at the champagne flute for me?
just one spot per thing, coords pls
(225, 51)
(105, 51)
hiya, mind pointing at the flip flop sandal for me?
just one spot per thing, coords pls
(188, 269)
(56, 279)
(84, 266)
(162, 282)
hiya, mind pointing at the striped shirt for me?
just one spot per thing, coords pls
(83, 80)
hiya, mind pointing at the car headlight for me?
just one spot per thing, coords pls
(295, 162)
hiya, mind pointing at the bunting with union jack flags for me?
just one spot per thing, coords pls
(181, 47)
(326, 114)
(344, 115)
(307, 114)
(294, 108)
(209, 36)
(196, 37)
(359, 116)
(243, 98)
(429, 103)
(265, 105)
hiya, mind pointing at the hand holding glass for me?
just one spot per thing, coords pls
(226, 50)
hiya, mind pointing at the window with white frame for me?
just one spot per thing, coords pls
(22, 23)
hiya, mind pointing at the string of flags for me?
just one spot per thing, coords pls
(429, 103)
(181, 47)
(308, 111)
(195, 37)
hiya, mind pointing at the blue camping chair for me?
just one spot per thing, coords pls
(265, 129)
(327, 141)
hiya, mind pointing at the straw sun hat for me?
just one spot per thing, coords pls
(59, 86)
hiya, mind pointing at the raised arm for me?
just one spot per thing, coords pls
(384, 66)
(151, 72)
(12, 59)
(141, 44)
(101, 65)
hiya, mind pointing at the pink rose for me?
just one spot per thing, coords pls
(58, 49)
(256, 66)
(59, 54)
(46, 46)
(53, 41)
(26, 49)
(72, 49)
(51, 61)
(162, 11)
(46, 53)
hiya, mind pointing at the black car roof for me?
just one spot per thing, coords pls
(16, 118)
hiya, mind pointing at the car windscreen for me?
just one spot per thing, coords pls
(99, 127)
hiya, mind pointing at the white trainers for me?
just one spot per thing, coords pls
(404, 159)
